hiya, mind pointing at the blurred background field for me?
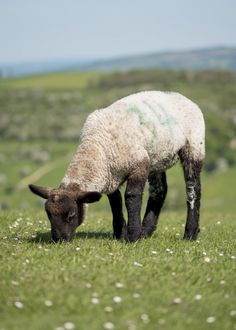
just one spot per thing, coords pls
(41, 117)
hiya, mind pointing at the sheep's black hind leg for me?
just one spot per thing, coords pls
(192, 169)
(157, 195)
(119, 224)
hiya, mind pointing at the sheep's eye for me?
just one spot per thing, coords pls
(70, 216)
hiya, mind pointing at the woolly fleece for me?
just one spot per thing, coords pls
(151, 126)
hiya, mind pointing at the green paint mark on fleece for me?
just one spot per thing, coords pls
(138, 113)
(166, 119)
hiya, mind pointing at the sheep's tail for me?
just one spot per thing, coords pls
(83, 210)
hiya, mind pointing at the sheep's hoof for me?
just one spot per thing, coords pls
(121, 233)
(148, 231)
(133, 237)
(191, 235)
(121, 237)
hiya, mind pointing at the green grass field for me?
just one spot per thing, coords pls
(95, 282)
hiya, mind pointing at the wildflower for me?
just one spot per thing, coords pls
(15, 283)
(117, 299)
(78, 248)
(88, 285)
(108, 309)
(131, 325)
(232, 313)
(211, 319)
(18, 304)
(48, 303)
(136, 295)
(154, 252)
(233, 257)
(137, 264)
(69, 325)
(108, 325)
(222, 282)
(177, 301)
(119, 285)
(207, 260)
(94, 300)
(198, 297)
(145, 318)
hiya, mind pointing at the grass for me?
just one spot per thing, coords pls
(95, 282)
(60, 81)
(163, 282)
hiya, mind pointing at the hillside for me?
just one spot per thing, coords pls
(223, 58)
(200, 59)
(41, 117)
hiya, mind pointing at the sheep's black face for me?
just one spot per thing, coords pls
(63, 215)
(63, 207)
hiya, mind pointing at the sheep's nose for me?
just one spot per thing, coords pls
(55, 236)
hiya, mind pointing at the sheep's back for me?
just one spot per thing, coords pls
(148, 124)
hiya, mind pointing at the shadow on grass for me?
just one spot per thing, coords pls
(45, 237)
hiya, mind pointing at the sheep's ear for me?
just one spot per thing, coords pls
(89, 197)
(43, 192)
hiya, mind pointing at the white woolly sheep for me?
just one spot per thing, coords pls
(135, 139)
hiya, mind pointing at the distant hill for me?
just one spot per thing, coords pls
(212, 58)
(209, 58)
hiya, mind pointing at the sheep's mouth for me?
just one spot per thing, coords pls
(57, 238)
(61, 239)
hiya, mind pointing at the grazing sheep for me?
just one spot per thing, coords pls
(135, 139)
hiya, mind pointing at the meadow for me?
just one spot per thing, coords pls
(94, 281)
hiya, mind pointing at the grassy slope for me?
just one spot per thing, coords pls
(159, 270)
(32, 270)
(52, 81)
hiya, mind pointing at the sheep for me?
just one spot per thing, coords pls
(136, 139)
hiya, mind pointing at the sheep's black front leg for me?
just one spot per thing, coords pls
(133, 202)
(192, 169)
(119, 224)
(157, 195)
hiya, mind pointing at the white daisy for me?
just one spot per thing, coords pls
(108, 325)
(211, 319)
(69, 325)
(117, 299)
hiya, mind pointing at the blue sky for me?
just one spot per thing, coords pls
(35, 30)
